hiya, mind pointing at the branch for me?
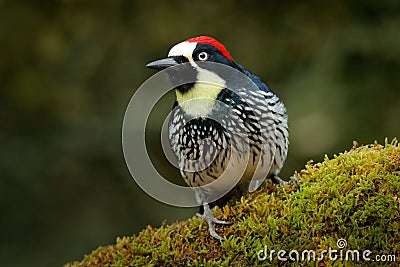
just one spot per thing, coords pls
(354, 196)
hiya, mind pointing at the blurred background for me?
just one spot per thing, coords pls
(69, 68)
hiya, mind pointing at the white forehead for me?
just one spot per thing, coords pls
(183, 49)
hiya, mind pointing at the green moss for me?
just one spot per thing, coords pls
(354, 196)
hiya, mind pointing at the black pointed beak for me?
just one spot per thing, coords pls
(162, 63)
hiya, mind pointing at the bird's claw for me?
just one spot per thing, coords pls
(292, 181)
(212, 220)
(208, 216)
(277, 180)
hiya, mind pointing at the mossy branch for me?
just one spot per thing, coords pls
(353, 196)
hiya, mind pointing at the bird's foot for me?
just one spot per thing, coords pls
(293, 181)
(208, 216)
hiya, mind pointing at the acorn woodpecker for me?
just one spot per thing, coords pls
(207, 148)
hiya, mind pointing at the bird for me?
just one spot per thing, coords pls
(222, 138)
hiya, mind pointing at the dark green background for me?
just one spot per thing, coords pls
(69, 68)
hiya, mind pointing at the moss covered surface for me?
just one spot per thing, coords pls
(353, 196)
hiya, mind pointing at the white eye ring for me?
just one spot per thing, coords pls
(202, 56)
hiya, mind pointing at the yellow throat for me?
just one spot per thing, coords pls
(199, 100)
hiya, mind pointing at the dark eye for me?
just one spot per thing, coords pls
(202, 56)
